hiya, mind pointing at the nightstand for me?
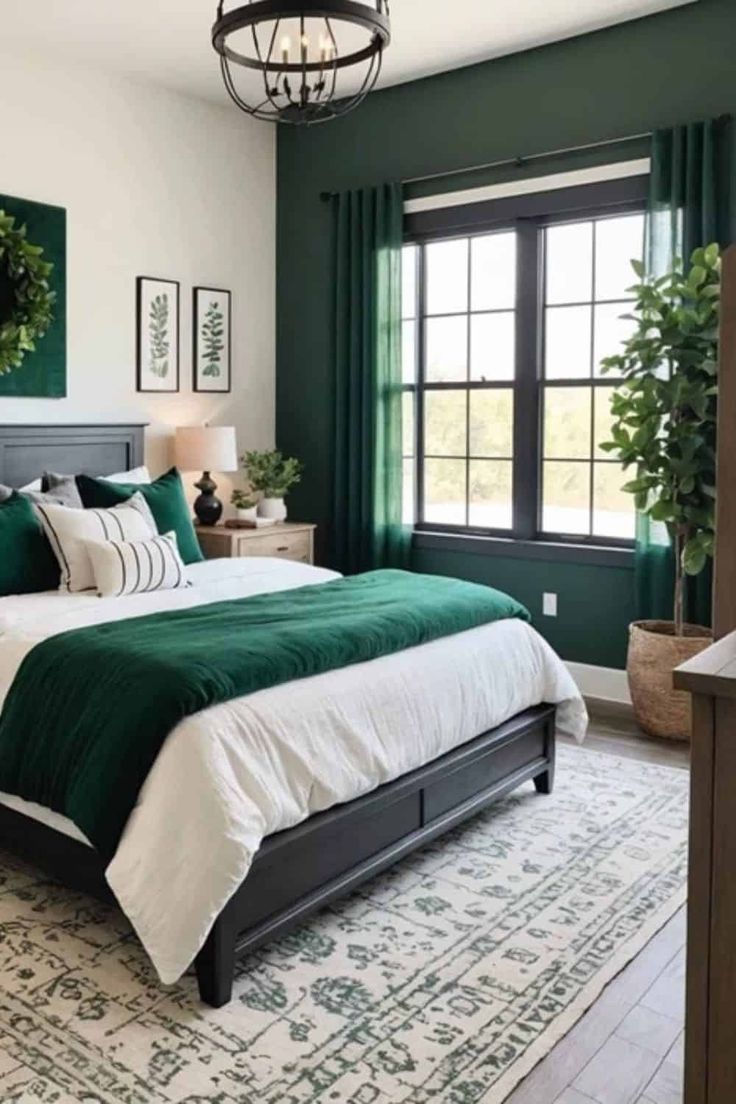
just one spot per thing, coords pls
(287, 540)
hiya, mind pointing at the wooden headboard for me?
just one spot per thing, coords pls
(26, 451)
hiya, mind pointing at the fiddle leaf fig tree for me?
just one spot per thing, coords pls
(664, 409)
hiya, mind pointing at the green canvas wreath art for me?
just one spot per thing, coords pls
(31, 313)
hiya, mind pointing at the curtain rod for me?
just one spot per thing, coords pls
(516, 162)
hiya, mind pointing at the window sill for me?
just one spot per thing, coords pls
(552, 551)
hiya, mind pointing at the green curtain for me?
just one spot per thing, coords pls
(368, 532)
(689, 206)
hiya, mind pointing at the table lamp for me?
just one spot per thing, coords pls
(206, 449)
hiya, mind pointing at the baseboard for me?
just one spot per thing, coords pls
(601, 684)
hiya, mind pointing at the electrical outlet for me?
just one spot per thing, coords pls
(549, 605)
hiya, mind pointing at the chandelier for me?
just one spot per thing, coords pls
(316, 59)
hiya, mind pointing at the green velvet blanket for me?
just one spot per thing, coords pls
(89, 709)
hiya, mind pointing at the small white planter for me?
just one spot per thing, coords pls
(248, 514)
(274, 508)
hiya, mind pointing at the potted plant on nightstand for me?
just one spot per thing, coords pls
(664, 425)
(245, 505)
(273, 475)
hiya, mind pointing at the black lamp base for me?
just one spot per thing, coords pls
(207, 507)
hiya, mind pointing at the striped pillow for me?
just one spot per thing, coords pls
(133, 567)
(69, 530)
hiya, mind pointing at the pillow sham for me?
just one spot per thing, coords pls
(132, 567)
(135, 475)
(167, 501)
(27, 563)
(68, 531)
(52, 479)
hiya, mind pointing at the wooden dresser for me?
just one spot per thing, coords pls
(710, 1020)
(287, 540)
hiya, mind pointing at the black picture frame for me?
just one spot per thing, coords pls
(199, 382)
(145, 377)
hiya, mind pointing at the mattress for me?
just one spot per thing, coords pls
(234, 773)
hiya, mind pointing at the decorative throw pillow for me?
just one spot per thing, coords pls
(166, 498)
(68, 531)
(131, 567)
(27, 563)
(64, 492)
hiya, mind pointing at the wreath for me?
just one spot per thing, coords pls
(32, 313)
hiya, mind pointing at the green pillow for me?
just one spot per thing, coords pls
(167, 501)
(27, 561)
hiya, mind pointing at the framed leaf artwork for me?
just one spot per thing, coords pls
(211, 350)
(157, 313)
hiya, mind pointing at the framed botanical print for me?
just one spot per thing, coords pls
(157, 334)
(211, 330)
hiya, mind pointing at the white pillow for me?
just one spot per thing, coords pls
(34, 486)
(131, 567)
(135, 475)
(69, 529)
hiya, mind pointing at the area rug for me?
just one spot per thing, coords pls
(445, 980)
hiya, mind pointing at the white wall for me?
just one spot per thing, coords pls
(154, 184)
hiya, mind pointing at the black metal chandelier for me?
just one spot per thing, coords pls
(304, 50)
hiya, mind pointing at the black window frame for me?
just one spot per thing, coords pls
(529, 215)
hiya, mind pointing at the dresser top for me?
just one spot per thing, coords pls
(260, 531)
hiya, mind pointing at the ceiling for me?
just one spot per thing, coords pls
(167, 41)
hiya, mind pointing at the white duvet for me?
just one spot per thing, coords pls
(232, 774)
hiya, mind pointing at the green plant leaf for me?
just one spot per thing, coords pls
(712, 254)
(693, 557)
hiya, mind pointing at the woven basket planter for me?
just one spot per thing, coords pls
(654, 652)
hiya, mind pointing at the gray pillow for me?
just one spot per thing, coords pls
(63, 493)
(61, 489)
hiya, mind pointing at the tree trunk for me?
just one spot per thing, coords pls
(679, 611)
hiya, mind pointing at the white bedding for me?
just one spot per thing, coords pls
(232, 774)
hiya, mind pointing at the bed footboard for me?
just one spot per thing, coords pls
(298, 871)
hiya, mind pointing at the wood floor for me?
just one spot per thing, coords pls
(628, 1047)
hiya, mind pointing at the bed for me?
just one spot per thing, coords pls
(223, 851)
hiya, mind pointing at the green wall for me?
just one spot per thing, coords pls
(652, 72)
(595, 604)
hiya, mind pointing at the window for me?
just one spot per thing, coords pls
(505, 406)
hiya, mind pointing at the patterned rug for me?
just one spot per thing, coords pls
(445, 980)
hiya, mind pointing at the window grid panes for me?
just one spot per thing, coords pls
(409, 364)
(587, 274)
(466, 383)
(461, 311)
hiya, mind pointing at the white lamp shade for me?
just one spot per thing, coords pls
(206, 448)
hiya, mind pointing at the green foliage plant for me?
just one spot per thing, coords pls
(212, 343)
(158, 330)
(664, 409)
(271, 472)
(241, 500)
(33, 313)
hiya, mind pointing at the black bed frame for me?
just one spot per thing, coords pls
(297, 871)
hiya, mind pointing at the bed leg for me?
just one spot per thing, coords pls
(544, 783)
(215, 965)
